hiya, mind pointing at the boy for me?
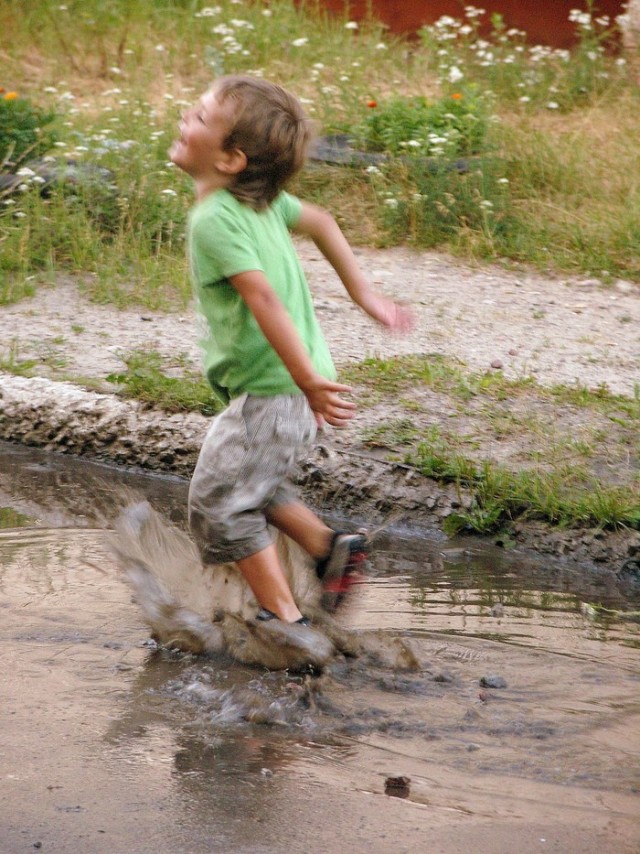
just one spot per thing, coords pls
(265, 354)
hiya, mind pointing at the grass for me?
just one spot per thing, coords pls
(527, 452)
(549, 187)
(146, 379)
(550, 182)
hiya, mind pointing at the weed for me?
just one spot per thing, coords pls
(551, 193)
(24, 131)
(146, 380)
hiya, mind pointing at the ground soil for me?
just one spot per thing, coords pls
(488, 318)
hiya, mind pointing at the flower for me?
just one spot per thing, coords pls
(10, 96)
(351, 25)
(457, 96)
(455, 74)
(371, 103)
(299, 42)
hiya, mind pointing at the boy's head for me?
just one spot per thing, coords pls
(263, 131)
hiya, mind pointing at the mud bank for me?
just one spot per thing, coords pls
(63, 418)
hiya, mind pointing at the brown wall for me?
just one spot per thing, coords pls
(546, 21)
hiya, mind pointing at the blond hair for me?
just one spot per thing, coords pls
(269, 125)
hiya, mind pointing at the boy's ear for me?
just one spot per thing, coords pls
(233, 162)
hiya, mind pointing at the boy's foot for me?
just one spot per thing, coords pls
(264, 614)
(342, 568)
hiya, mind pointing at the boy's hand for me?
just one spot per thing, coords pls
(391, 314)
(326, 403)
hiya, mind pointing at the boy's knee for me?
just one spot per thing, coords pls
(223, 539)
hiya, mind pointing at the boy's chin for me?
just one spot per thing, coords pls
(175, 152)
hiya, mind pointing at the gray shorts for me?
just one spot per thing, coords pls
(245, 463)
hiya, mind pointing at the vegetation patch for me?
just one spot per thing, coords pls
(146, 380)
(548, 137)
(520, 450)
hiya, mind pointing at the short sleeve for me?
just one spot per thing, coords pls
(290, 209)
(221, 247)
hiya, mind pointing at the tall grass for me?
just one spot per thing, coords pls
(555, 184)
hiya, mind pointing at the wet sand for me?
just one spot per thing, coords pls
(112, 746)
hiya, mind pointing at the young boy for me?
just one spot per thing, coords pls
(265, 354)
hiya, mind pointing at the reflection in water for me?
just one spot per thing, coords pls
(200, 754)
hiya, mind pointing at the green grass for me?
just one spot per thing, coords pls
(146, 379)
(526, 450)
(548, 183)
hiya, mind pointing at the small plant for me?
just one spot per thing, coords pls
(453, 126)
(23, 130)
(146, 380)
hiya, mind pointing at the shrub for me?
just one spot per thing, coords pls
(452, 126)
(23, 130)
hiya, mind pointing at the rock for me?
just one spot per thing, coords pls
(397, 787)
(493, 681)
(497, 364)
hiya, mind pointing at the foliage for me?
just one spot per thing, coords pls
(146, 380)
(452, 126)
(23, 130)
(497, 175)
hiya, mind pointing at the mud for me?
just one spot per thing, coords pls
(64, 418)
(512, 724)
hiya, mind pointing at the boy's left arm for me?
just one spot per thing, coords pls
(321, 227)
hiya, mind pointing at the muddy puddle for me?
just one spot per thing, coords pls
(514, 727)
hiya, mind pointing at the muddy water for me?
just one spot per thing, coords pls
(518, 730)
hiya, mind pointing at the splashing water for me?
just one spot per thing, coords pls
(211, 609)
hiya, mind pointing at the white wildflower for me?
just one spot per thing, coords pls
(351, 25)
(455, 74)
(299, 42)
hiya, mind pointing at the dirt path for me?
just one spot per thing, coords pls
(558, 330)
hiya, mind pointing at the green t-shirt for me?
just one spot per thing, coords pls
(227, 237)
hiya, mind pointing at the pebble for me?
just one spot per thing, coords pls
(493, 681)
(397, 787)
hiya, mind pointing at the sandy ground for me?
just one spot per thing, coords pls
(560, 329)
(557, 330)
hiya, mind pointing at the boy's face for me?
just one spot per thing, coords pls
(198, 150)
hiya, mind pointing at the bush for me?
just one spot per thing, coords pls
(452, 126)
(23, 131)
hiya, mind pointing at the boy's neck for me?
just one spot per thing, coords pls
(211, 184)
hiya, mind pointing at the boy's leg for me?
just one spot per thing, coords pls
(265, 576)
(339, 557)
(302, 525)
(250, 448)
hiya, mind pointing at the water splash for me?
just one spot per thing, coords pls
(211, 609)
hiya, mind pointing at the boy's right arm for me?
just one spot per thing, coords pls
(321, 227)
(279, 330)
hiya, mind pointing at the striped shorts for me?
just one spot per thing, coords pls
(244, 466)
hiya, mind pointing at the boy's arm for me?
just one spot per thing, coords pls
(325, 232)
(280, 331)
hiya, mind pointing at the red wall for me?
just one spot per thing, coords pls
(546, 21)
